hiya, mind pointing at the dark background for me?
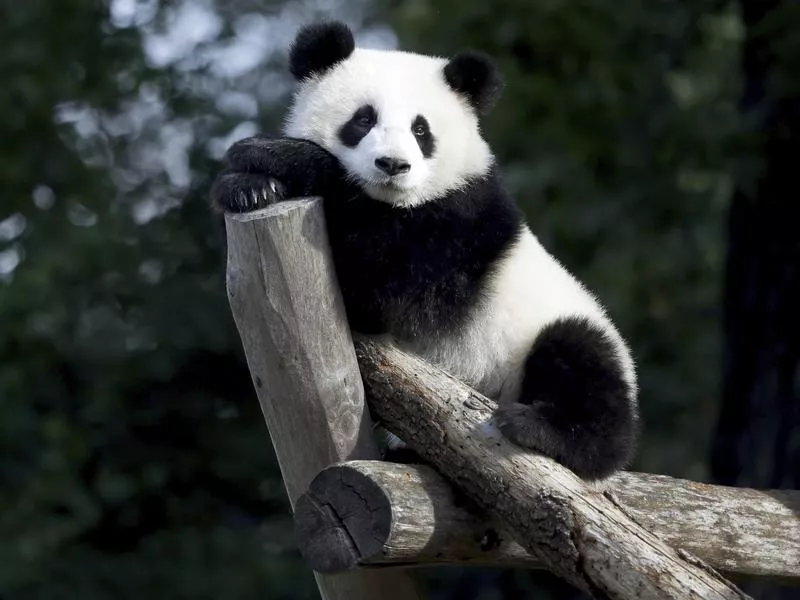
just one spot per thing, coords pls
(653, 145)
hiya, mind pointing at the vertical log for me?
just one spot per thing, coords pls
(288, 309)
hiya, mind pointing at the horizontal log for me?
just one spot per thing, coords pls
(409, 515)
(575, 531)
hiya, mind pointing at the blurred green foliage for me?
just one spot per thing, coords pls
(133, 457)
(134, 460)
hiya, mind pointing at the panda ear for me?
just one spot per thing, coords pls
(318, 47)
(475, 76)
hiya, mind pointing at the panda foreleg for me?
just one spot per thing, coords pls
(575, 404)
(260, 171)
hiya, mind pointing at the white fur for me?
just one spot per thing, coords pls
(529, 290)
(400, 85)
(529, 287)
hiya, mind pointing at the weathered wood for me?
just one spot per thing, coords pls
(378, 513)
(574, 530)
(289, 313)
(408, 514)
(737, 530)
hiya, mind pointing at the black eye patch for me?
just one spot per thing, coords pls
(422, 132)
(359, 125)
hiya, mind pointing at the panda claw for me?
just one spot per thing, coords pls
(246, 192)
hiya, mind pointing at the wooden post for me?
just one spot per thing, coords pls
(574, 530)
(290, 316)
(409, 515)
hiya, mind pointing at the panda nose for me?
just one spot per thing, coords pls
(392, 166)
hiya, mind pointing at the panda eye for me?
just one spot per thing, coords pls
(365, 117)
(420, 126)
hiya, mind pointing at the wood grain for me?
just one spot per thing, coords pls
(288, 309)
(409, 515)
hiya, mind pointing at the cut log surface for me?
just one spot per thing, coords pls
(572, 529)
(290, 316)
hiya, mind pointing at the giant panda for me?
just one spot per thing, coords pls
(430, 250)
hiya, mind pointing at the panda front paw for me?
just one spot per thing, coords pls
(261, 170)
(246, 192)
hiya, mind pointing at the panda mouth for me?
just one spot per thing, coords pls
(387, 190)
(384, 186)
(388, 183)
(391, 184)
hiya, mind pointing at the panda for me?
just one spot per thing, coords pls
(430, 250)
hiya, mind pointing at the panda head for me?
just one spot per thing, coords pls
(405, 126)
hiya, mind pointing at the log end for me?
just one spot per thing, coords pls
(340, 522)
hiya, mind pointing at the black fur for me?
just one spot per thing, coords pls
(402, 455)
(574, 405)
(409, 272)
(359, 125)
(294, 167)
(475, 76)
(318, 47)
(419, 273)
(422, 131)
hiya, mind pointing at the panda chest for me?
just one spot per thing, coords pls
(422, 274)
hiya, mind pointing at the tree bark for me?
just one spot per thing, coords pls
(573, 530)
(758, 436)
(398, 514)
(290, 316)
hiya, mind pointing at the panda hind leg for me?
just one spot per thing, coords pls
(395, 450)
(574, 404)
